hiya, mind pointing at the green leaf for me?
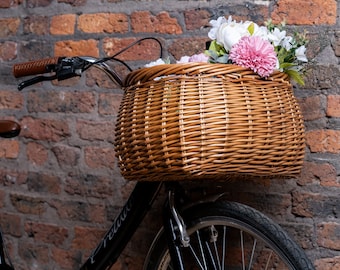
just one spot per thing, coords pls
(251, 28)
(215, 47)
(293, 74)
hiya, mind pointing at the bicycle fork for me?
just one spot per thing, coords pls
(175, 231)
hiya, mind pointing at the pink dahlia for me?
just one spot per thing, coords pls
(255, 53)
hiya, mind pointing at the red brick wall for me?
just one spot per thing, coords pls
(59, 182)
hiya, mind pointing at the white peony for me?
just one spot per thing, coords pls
(230, 33)
(215, 25)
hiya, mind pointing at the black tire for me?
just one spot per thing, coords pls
(213, 222)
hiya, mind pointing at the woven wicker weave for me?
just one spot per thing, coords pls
(188, 121)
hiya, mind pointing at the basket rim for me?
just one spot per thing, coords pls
(193, 69)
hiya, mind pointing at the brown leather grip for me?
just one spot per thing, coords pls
(33, 67)
(9, 128)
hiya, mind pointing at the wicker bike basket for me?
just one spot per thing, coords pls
(195, 120)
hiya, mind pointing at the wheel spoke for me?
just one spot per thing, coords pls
(242, 251)
(224, 246)
(269, 259)
(228, 240)
(252, 254)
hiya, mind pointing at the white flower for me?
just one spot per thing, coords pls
(215, 25)
(155, 63)
(287, 43)
(230, 33)
(276, 36)
(261, 31)
(300, 54)
(184, 59)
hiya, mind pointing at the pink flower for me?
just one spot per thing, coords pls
(199, 58)
(255, 53)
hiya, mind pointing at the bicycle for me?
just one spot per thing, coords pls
(204, 234)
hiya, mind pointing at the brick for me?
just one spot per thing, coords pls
(301, 204)
(36, 153)
(9, 27)
(321, 205)
(196, 19)
(103, 23)
(313, 173)
(315, 12)
(74, 3)
(187, 46)
(2, 198)
(147, 50)
(100, 158)
(86, 237)
(27, 204)
(36, 25)
(61, 101)
(35, 49)
(11, 224)
(90, 186)
(63, 24)
(9, 149)
(95, 130)
(10, 177)
(29, 252)
(11, 100)
(43, 183)
(302, 233)
(69, 259)
(8, 50)
(38, 3)
(333, 105)
(66, 156)
(311, 108)
(336, 43)
(145, 22)
(323, 141)
(328, 235)
(77, 48)
(323, 77)
(44, 129)
(328, 263)
(46, 233)
(96, 77)
(10, 3)
(69, 210)
(108, 104)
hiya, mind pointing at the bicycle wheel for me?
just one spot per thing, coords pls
(229, 235)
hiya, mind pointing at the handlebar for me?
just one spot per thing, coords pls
(9, 129)
(35, 67)
(68, 67)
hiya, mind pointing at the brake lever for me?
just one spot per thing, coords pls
(35, 80)
(67, 68)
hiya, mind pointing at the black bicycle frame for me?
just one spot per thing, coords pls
(124, 226)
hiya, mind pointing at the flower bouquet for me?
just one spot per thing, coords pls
(263, 49)
(228, 111)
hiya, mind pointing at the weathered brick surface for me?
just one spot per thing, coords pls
(63, 24)
(145, 22)
(324, 141)
(103, 23)
(59, 184)
(76, 48)
(36, 24)
(9, 149)
(315, 12)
